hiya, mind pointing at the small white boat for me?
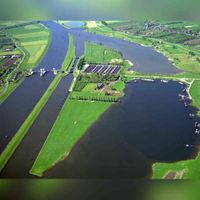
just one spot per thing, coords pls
(164, 81)
(149, 80)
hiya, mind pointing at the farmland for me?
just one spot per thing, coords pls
(29, 43)
(33, 40)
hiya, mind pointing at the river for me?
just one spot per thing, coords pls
(141, 110)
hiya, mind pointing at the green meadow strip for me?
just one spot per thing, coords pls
(70, 57)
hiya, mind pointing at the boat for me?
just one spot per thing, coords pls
(164, 81)
(149, 80)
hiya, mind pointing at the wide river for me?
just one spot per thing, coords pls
(149, 125)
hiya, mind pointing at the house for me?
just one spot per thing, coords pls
(99, 86)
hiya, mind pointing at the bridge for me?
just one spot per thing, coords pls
(43, 71)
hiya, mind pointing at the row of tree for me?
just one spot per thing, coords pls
(94, 98)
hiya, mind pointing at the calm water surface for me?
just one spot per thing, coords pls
(149, 125)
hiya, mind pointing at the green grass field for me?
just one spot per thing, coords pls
(188, 169)
(33, 40)
(95, 53)
(90, 87)
(72, 122)
(5, 23)
(119, 85)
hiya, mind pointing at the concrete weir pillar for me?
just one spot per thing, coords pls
(42, 71)
(54, 71)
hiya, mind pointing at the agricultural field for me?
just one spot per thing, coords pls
(21, 49)
(33, 40)
(6, 23)
(170, 31)
(65, 133)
